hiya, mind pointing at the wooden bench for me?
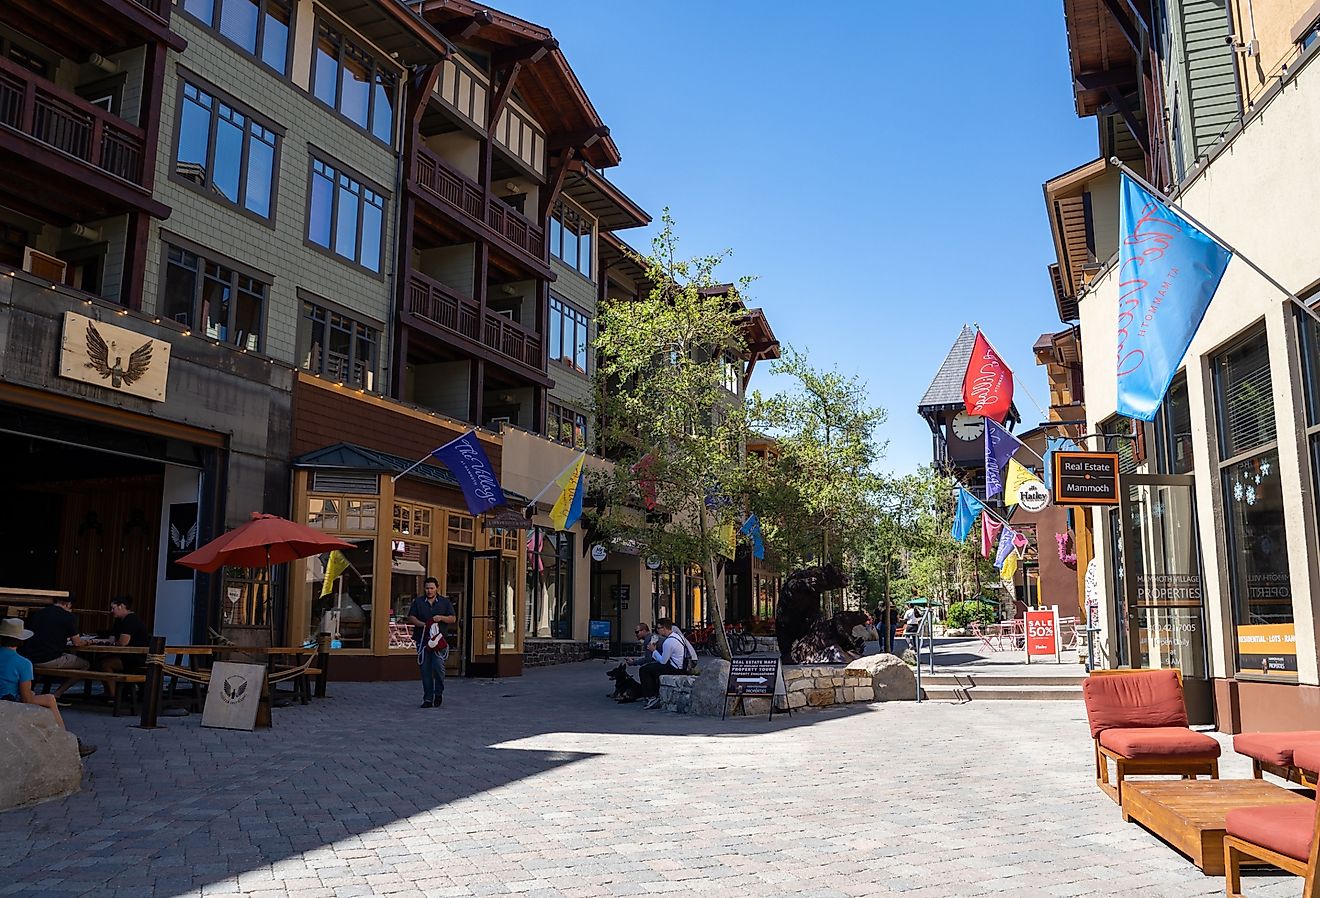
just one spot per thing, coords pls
(130, 680)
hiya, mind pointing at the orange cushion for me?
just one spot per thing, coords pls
(1307, 755)
(1148, 698)
(1273, 748)
(1285, 828)
(1159, 742)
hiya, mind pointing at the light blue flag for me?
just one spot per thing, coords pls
(1168, 271)
(969, 509)
(1000, 446)
(1053, 445)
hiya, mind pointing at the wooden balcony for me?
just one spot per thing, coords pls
(463, 197)
(75, 28)
(63, 121)
(443, 306)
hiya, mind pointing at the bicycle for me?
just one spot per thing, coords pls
(741, 642)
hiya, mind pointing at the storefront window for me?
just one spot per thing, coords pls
(408, 573)
(461, 529)
(1253, 512)
(323, 513)
(549, 584)
(339, 590)
(1308, 331)
(1173, 429)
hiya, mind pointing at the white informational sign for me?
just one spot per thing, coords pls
(233, 696)
(653, 563)
(1033, 496)
(599, 552)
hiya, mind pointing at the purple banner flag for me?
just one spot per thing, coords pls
(467, 461)
(1000, 445)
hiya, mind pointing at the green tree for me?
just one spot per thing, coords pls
(675, 431)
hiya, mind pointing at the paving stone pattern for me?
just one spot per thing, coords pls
(541, 786)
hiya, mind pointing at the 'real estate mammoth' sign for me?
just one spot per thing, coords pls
(114, 357)
(1085, 478)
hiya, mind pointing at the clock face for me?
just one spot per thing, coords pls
(968, 427)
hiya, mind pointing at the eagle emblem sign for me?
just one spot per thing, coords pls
(114, 357)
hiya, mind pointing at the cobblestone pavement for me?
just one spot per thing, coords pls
(542, 787)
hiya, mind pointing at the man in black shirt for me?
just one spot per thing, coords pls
(54, 628)
(128, 631)
(428, 609)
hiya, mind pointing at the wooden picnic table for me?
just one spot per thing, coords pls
(98, 649)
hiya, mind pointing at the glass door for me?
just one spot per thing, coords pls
(456, 589)
(491, 611)
(1165, 625)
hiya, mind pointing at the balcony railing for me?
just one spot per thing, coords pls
(454, 312)
(160, 8)
(464, 196)
(64, 121)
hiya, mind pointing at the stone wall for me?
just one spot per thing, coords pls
(545, 652)
(805, 687)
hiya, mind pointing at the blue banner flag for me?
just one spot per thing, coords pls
(467, 461)
(1000, 446)
(1168, 271)
(969, 509)
(752, 528)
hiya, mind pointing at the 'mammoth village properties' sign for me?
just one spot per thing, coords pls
(1085, 478)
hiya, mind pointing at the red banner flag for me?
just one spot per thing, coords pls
(646, 479)
(988, 383)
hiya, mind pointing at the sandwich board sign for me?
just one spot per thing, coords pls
(755, 677)
(233, 696)
(1043, 633)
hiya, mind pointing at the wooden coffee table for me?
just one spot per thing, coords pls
(1189, 814)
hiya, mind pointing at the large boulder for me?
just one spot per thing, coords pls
(893, 680)
(708, 690)
(41, 760)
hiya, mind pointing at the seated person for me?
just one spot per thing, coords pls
(675, 655)
(128, 631)
(54, 628)
(648, 641)
(16, 675)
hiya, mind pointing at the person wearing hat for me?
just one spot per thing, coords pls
(16, 675)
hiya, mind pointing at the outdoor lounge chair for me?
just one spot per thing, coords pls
(1282, 835)
(1273, 753)
(1138, 721)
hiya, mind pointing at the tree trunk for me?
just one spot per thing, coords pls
(714, 593)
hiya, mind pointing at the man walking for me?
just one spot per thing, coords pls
(431, 614)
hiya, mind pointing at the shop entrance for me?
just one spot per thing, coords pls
(488, 615)
(606, 603)
(1160, 616)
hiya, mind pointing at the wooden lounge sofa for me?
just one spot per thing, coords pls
(1282, 835)
(1273, 753)
(1138, 721)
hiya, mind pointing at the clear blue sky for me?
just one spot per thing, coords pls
(877, 166)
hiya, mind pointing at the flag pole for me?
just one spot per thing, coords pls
(1163, 198)
(569, 467)
(421, 461)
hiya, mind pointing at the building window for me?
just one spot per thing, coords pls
(462, 529)
(259, 27)
(213, 298)
(571, 238)
(1173, 430)
(732, 375)
(567, 426)
(1259, 581)
(345, 216)
(349, 80)
(337, 347)
(225, 152)
(549, 584)
(569, 336)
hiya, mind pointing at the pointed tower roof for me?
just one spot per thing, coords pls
(945, 391)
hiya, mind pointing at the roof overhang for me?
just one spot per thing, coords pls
(393, 27)
(1065, 204)
(1101, 51)
(609, 205)
(617, 254)
(548, 86)
(762, 345)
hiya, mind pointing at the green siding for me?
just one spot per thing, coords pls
(1200, 88)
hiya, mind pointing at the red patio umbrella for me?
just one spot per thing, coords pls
(265, 540)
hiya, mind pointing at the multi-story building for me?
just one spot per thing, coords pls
(1209, 563)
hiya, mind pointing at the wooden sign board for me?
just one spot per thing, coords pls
(114, 357)
(1085, 478)
(233, 696)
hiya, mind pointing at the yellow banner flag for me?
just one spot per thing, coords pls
(726, 540)
(1010, 567)
(335, 565)
(1018, 477)
(570, 483)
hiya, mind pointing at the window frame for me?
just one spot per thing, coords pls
(315, 155)
(568, 311)
(185, 78)
(256, 56)
(564, 559)
(557, 228)
(306, 299)
(560, 416)
(379, 65)
(196, 327)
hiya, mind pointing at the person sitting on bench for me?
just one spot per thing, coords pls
(54, 628)
(16, 676)
(128, 631)
(674, 656)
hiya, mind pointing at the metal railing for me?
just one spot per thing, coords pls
(926, 627)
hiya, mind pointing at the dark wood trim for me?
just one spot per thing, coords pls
(463, 28)
(530, 52)
(88, 176)
(1125, 24)
(555, 187)
(578, 139)
(1120, 78)
(474, 349)
(201, 249)
(476, 391)
(133, 278)
(1136, 127)
(153, 89)
(503, 90)
(316, 299)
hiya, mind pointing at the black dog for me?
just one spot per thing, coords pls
(626, 689)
